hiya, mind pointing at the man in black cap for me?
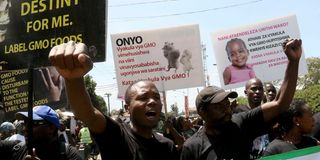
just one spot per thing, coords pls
(229, 136)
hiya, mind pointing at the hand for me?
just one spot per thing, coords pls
(168, 123)
(293, 49)
(33, 156)
(71, 60)
(53, 83)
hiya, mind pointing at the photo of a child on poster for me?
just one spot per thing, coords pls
(238, 55)
(254, 50)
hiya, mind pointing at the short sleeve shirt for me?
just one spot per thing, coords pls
(119, 142)
(278, 146)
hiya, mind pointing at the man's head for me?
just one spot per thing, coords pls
(213, 105)
(45, 123)
(144, 104)
(4, 18)
(254, 92)
(7, 129)
(270, 91)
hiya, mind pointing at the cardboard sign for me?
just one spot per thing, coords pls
(29, 29)
(254, 51)
(170, 57)
(48, 89)
(311, 153)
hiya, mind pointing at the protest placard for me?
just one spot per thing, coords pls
(48, 90)
(170, 57)
(29, 29)
(254, 51)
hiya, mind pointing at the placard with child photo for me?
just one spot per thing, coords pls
(255, 50)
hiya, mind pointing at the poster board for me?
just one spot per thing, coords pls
(29, 29)
(311, 153)
(170, 57)
(263, 43)
(49, 89)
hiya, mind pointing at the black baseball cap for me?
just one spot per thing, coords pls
(212, 94)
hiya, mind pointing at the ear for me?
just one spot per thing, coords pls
(202, 114)
(296, 121)
(126, 107)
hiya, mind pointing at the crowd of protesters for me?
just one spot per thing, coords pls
(272, 122)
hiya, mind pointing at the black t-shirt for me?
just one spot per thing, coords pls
(6, 149)
(119, 142)
(234, 143)
(278, 146)
(228, 146)
(10, 150)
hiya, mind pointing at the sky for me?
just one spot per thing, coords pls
(212, 16)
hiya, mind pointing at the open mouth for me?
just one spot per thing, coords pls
(151, 114)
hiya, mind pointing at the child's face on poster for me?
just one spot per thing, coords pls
(238, 54)
(4, 18)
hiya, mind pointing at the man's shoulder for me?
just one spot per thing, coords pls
(162, 139)
(197, 138)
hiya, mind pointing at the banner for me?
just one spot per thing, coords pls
(254, 51)
(48, 87)
(311, 153)
(29, 29)
(170, 57)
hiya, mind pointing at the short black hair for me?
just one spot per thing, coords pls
(127, 95)
(295, 110)
(232, 41)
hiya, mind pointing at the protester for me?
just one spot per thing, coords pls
(85, 139)
(65, 134)
(45, 138)
(170, 131)
(229, 136)
(185, 127)
(270, 92)
(115, 140)
(19, 136)
(254, 93)
(294, 126)
(316, 130)
(121, 118)
(7, 129)
(238, 55)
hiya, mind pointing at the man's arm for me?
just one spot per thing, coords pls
(293, 50)
(72, 62)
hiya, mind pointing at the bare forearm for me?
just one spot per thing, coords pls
(81, 105)
(285, 94)
(288, 87)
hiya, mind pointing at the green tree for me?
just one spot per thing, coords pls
(96, 100)
(242, 100)
(313, 75)
(311, 95)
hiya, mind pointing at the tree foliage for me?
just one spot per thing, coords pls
(313, 75)
(311, 95)
(96, 100)
(242, 101)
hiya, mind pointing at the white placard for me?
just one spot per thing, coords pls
(170, 57)
(254, 51)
